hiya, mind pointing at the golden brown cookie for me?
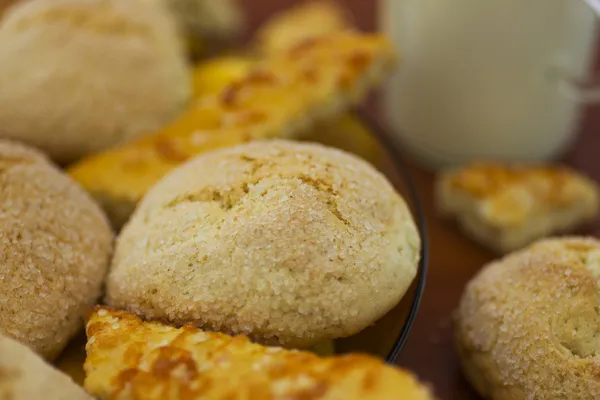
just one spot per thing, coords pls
(55, 247)
(527, 325)
(285, 96)
(79, 76)
(131, 359)
(279, 240)
(506, 207)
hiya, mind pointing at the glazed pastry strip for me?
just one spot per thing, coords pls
(131, 359)
(283, 96)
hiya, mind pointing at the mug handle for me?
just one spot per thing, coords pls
(582, 92)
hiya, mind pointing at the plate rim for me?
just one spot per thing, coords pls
(397, 158)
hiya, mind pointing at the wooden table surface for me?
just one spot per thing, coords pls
(453, 258)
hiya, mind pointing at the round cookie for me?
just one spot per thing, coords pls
(527, 325)
(79, 76)
(25, 376)
(55, 247)
(290, 243)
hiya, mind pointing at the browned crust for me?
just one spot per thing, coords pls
(128, 358)
(527, 325)
(287, 94)
(505, 206)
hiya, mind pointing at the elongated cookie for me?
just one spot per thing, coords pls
(132, 359)
(284, 96)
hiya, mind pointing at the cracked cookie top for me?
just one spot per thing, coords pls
(279, 240)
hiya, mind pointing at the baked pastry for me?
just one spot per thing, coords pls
(55, 247)
(25, 376)
(211, 76)
(285, 96)
(278, 240)
(79, 76)
(307, 20)
(527, 325)
(131, 359)
(506, 207)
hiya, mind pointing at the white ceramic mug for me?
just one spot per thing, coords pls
(489, 79)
